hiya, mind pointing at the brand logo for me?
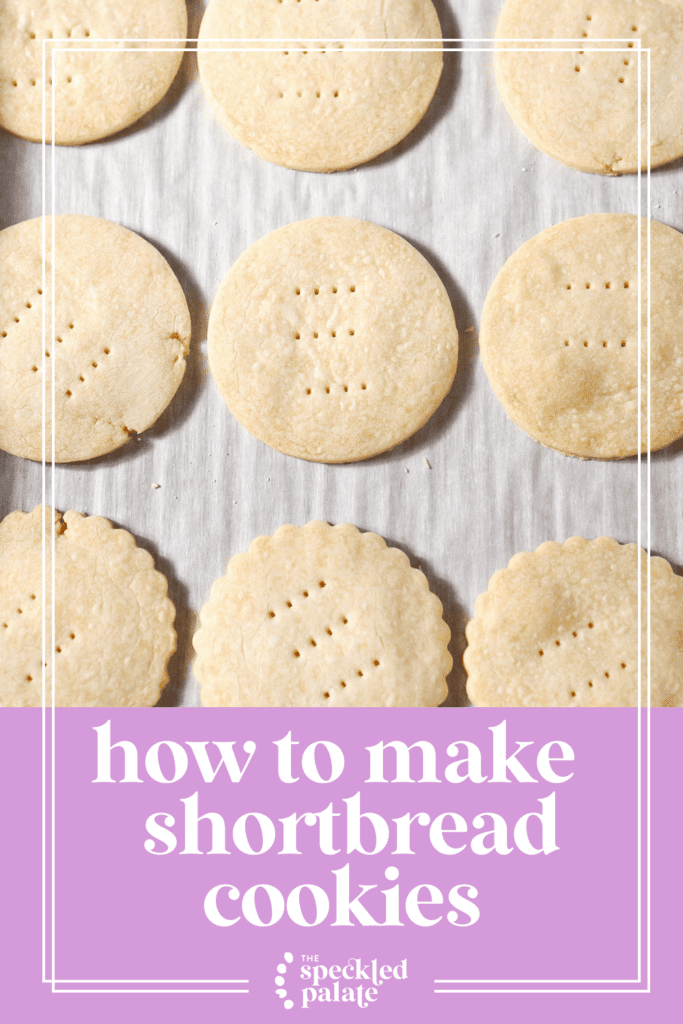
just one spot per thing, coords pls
(356, 981)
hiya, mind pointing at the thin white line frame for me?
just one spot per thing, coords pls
(65, 45)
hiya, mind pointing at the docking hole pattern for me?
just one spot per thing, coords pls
(621, 79)
(575, 635)
(312, 643)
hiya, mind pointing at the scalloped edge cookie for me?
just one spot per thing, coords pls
(322, 616)
(558, 628)
(114, 630)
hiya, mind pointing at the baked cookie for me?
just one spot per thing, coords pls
(582, 106)
(332, 340)
(332, 85)
(322, 616)
(117, 352)
(95, 94)
(559, 336)
(113, 621)
(559, 628)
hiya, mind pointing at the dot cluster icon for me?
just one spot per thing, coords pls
(280, 980)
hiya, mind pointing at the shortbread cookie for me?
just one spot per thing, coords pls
(113, 632)
(559, 628)
(332, 340)
(121, 333)
(581, 105)
(559, 336)
(95, 94)
(329, 87)
(322, 616)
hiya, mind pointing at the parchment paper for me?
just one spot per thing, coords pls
(470, 489)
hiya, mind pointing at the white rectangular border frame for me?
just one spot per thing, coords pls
(57, 46)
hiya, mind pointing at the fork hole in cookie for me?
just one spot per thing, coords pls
(326, 696)
(557, 643)
(106, 351)
(376, 663)
(327, 391)
(82, 379)
(345, 621)
(346, 387)
(589, 683)
(540, 654)
(312, 642)
(322, 583)
(289, 604)
(328, 631)
(297, 337)
(35, 369)
(621, 80)
(590, 625)
(623, 344)
(604, 344)
(364, 387)
(606, 675)
(623, 664)
(271, 615)
(72, 636)
(297, 654)
(28, 305)
(29, 679)
(572, 693)
(308, 391)
(58, 650)
(305, 593)
(360, 673)
(352, 332)
(68, 394)
(343, 684)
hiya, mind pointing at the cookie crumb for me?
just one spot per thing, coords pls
(497, 234)
(156, 486)
(426, 461)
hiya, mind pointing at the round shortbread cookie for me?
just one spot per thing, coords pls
(121, 333)
(581, 106)
(559, 336)
(95, 94)
(559, 628)
(332, 340)
(113, 621)
(322, 616)
(336, 91)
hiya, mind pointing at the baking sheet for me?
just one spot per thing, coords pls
(465, 493)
